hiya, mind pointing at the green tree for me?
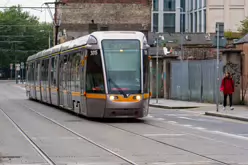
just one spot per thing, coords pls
(244, 27)
(21, 35)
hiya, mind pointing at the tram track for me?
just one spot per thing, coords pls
(170, 145)
(128, 131)
(31, 142)
(79, 135)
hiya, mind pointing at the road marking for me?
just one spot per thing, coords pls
(187, 125)
(172, 122)
(184, 163)
(163, 134)
(206, 120)
(149, 116)
(160, 119)
(230, 135)
(201, 128)
(57, 138)
(185, 118)
(23, 88)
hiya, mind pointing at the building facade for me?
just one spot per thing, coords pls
(197, 16)
(78, 15)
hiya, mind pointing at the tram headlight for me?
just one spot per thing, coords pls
(111, 98)
(137, 98)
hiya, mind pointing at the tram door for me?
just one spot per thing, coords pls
(32, 77)
(37, 82)
(82, 81)
(65, 82)
(44, 79)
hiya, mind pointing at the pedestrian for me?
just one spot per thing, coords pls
(227, 87)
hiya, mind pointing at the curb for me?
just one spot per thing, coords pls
(226, 116)
(168, 107)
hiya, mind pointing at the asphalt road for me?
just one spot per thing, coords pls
(34, 133)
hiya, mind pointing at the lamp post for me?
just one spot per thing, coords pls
(181, 29)
(181, 42)
(162, 37)
(49, 38)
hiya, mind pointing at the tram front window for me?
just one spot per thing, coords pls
(123, 65)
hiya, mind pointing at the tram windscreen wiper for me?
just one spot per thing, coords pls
(119, 89)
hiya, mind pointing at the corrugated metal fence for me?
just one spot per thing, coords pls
(194, 80)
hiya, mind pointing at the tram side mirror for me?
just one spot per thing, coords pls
(146, 46)
(92, 41)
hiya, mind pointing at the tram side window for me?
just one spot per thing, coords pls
(69, 72)
(32, 71)
(46, 64)
(42, 71)
(63, 72)
(28, 74)
(76, 58)
(53, 71)
(37, 73)
(94, 73)
(146, 71)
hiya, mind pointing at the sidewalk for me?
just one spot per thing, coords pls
(239, 112)
(176, 104)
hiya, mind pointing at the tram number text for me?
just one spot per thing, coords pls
(93, 52)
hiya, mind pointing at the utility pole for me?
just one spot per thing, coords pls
(56, 21)
(219, 35)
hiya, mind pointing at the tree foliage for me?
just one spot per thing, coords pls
(21, 35)
(244, 27)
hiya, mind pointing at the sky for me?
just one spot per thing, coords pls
(43, 15)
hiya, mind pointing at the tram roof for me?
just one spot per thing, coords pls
(99, 35)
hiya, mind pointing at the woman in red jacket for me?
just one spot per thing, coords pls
(227, 87)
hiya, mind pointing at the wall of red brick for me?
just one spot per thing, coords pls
(244, 47)
(115, 14)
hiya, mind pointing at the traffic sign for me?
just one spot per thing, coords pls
(22, 65)
(17, 67)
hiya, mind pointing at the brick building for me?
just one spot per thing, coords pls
(78, 15)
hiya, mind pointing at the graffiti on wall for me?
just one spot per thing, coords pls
(234, 69)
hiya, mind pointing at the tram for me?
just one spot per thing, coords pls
(103, 75)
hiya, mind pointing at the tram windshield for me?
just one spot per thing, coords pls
(123, 65)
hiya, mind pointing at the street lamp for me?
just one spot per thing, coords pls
(49, 38)
(181, 27)
(182, 52)
(158, 37)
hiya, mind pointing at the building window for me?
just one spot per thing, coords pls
(155, 22)
(182, 22)
(200, 21)
(169, 22)
(204, 3)
(200, 4)
(169, 5)
(196, 22)
(205, 21)
(155, 5)
(192, 5)
(182, 4)
(191, 23)
(196, 4)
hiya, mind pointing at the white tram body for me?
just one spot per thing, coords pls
(103, 75)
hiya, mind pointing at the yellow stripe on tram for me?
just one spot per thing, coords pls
(76, 94)
(96, 96)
